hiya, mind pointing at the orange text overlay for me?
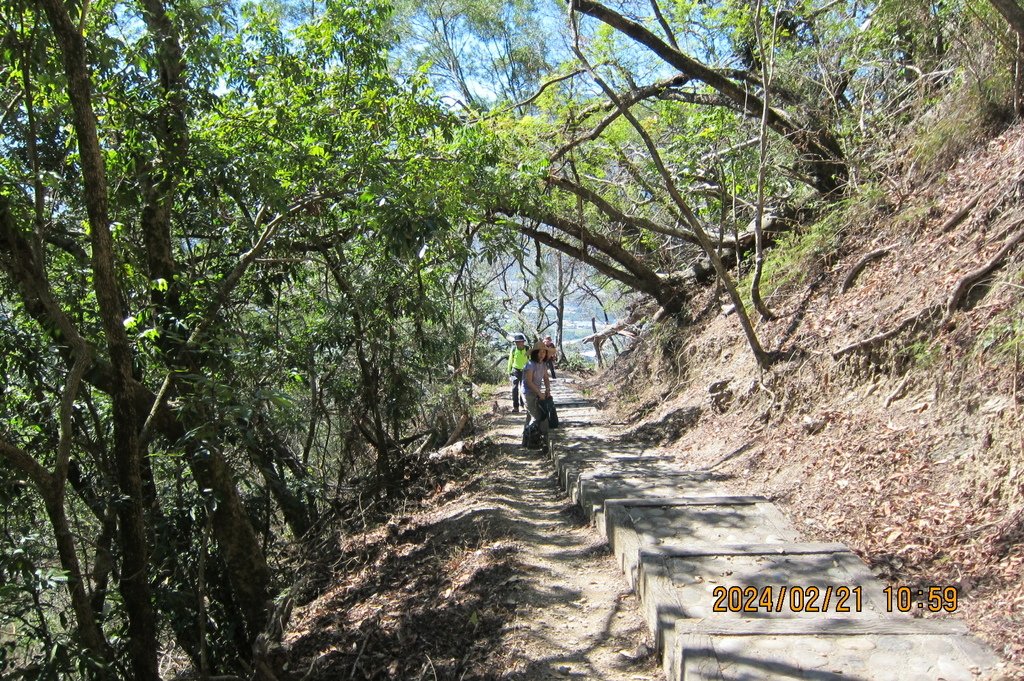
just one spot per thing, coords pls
(787, 599)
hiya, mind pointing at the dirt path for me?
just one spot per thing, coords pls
(494, 575)
(574, 615)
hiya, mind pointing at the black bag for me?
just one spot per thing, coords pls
(548, 406)
(533, 437)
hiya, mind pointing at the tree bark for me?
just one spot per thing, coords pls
(142, 627)
(50, 490)
(1012, 12)
(295, 513)
(767, 72)
(560, 306)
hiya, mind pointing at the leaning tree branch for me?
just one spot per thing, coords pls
(1013, 13)
(584, 255)
(223, 293)
(763, 358)
(823, 152)
(614, 213)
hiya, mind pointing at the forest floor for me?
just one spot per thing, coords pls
(494, 576)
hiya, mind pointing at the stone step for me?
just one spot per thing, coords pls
(677, 538)
(630, 525)
(826, 649)
(734, 581)
(570, 462)
(592, 487)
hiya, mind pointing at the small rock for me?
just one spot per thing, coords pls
(996, 405)
(720, 395)
(813, 426)
(639, 653)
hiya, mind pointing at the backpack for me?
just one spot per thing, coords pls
(533, 437)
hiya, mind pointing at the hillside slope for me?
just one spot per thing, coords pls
(907, 448)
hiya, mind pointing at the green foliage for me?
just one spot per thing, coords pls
(332, 289)
(800, 253)
(573, 360)
(310, 364)
(1003, 338)
(922, 353)
(968, 113)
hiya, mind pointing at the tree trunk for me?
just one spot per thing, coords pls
(560, 307)
(49, 488)
(295, 513)
(1012, 12)
(142, 627)
(767, 71)
(236, 538)
(597, 344)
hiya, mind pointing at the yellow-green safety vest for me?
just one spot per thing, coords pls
(517, 358)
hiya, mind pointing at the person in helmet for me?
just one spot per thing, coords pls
(518, 356)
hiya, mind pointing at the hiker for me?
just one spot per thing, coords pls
(548, 356)
(517, 358)
(552, 355)
(536, 387)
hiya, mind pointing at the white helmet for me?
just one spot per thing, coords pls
(519, 337)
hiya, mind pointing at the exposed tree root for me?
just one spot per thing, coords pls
(877, 254)
(912, 323)
(971, 278)
(947, 309)
(962, 214)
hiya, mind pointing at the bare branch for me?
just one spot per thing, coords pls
(628, 99)
(529, 100)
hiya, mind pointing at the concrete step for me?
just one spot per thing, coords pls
(686, 547)
(735, 581)
(826, 649)
(634, 524)
(592, 487)
(571, 461)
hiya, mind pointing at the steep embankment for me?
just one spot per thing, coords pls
(908, 448)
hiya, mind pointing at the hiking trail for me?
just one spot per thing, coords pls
(682, 544)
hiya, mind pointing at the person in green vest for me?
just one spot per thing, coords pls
(517, 359)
